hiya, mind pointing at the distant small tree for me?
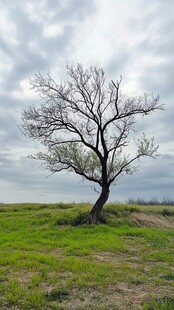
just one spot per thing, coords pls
(84, 123)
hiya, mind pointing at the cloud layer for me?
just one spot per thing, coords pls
(135, 41)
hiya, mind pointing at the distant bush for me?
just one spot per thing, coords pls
(151, 202)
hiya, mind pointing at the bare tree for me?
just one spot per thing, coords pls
(84, 123)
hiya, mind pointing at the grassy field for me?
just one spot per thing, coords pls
(51, 259)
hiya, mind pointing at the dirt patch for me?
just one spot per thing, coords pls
(120, 296)
(107, 257)
(57, 253)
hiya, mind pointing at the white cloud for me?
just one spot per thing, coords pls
(25, 91)
(7, 27)
(52, 30)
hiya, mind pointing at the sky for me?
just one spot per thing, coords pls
(134, 39)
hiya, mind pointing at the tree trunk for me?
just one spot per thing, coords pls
(95, 212)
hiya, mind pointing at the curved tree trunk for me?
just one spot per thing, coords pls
(95, 212)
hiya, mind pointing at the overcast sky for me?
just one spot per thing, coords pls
(132, 38)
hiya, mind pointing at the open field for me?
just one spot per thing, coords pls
(51, 259)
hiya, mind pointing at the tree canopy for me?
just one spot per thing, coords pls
(85, 125)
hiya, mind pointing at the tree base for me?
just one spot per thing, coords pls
(95, 212)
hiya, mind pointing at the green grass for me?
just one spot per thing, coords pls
(50, 258)
(166, 303)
